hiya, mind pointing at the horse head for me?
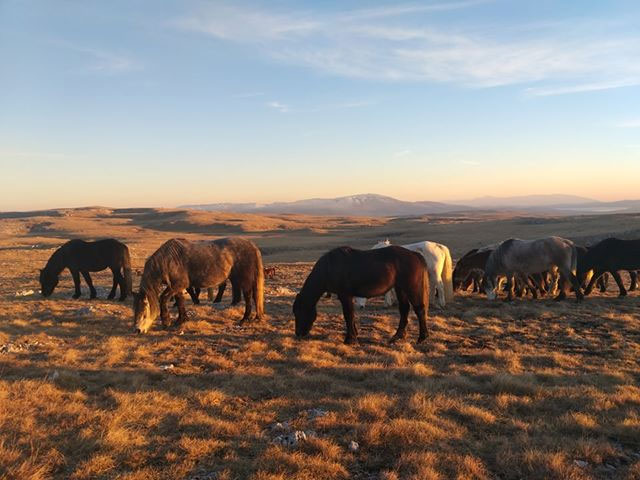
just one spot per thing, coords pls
(305, 315)
(490, 286)
(48, 282)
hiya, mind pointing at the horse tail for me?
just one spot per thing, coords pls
(126, 273)
(447, 276)
(258, 287)
(426, 291)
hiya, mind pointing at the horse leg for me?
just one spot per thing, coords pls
(403, 307)
(112, 293)
(442, 302)
(235, 293)
(388, 298)
(194, 293)
(602, 282)
(476, 284)
(87, 278)
(351, 336)
(76, 283)
(596, 275)
(616, 276)
(419, 307)
(119, 280)
(182, 312)
(166, 294)
(221, 289)
(529, 283)
(576, 284)
(248, 295)
(633, 274)
(510, 286)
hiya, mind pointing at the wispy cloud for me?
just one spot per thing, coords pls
(581, 88)
(280, 107)
(102, 61)
(633, 123)
(471, 163)
(387, 43)
(402, 153)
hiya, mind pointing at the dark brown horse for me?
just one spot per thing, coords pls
(471, 262)
(350, 273)
(610, 255)
(179, 264)
(82, 257)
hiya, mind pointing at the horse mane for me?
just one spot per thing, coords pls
(154, 268)
(56, 264)
(315, 283)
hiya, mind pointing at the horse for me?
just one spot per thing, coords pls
(471, 262)
(522, 258)
(348, 272)
(439, 266)
(611, 255)
(179, 264)
(82, 257)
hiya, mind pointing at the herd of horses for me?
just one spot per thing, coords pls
(419, 274)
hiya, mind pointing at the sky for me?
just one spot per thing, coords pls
(147, 103)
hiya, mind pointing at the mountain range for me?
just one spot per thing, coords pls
(371, 204)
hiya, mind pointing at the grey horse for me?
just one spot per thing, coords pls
(522, 258)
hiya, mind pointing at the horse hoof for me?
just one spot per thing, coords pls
(75, 297)
(351, 341)
(421, 340)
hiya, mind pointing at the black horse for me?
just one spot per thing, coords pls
(350, 273)
(82, 257)
(610, 255)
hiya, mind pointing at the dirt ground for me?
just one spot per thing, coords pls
(521, 390)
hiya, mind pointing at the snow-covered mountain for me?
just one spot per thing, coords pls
(369, 204)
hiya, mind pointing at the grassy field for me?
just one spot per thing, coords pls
(529, 389)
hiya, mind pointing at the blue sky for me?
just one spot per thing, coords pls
(125, 103)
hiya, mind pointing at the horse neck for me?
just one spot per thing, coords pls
(56, 262)
(492, 265)
(315, 284)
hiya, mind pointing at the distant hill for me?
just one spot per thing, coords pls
(526, 201)
(368, 204)
(372, 205)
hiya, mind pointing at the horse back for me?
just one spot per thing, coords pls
(95, 256)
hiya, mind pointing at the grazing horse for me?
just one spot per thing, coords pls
(179, 264)
(471, 262)
(610, 255)
(439, 267)
(522, 258)
(348, 272)
(82, 257)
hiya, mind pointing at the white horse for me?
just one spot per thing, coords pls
(439, 267)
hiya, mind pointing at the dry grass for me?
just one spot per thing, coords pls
(523, 390)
